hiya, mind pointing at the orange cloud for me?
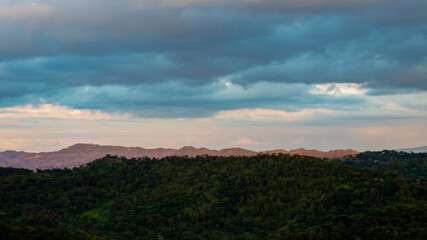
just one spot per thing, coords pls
(56, 111)
(245, 141)
(24, 10)
(269, 114)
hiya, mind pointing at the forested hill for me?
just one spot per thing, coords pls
(259, 197)
(413, 165)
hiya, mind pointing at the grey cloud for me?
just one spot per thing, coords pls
(174, 99)
(149, 45)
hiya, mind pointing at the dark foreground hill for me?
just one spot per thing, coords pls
(79, 154)
(260, 197)
(413, 165)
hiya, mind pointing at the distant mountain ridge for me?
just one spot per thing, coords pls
(415, 149)
(81, 153)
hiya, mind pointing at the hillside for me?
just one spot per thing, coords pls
(79, 154)
(260, 197)
(315, 153)
(413, 165)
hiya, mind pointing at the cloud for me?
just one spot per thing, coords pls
(26, 10)
(339, 89)
(55, 111)
(245, 141)
(173, 59)
(175, 99)
(270, 114)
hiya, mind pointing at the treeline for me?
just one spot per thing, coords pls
(413, 165)
(208, 197)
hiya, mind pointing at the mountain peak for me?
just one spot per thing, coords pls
(82, 145)
(187, 148)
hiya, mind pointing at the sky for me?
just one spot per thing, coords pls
(257, 74)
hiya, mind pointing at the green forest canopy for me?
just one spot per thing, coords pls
(208, 197)
(412, 165)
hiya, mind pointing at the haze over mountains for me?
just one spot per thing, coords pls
(415, 149)
(79, 154)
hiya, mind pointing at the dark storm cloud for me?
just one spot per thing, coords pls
(54, 49)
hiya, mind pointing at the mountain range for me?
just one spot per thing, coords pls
(415, 150)
(80, 154)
